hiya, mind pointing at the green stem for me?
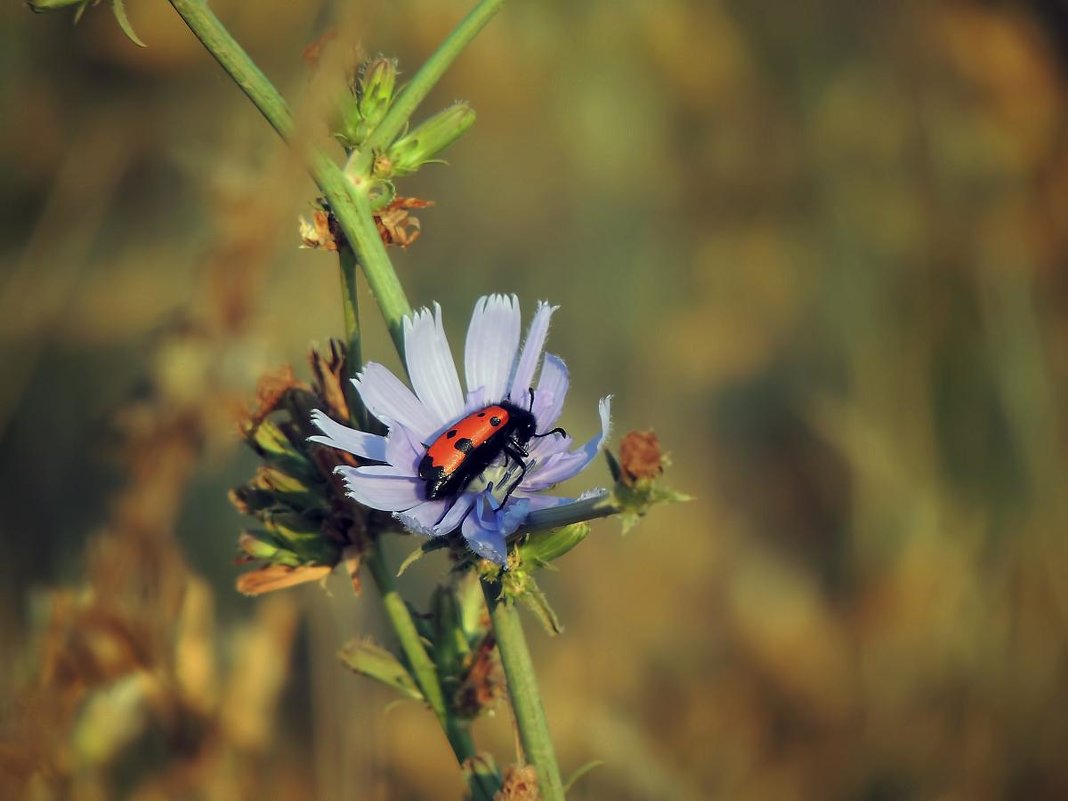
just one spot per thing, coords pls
(350, 307)
(523, 690)
(416, 91)
(349, 205)
(483, 785)
(232, 58)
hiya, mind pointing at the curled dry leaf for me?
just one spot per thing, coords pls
(278, 577)
(396, 225)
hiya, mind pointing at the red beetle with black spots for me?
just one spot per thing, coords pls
(465, 449)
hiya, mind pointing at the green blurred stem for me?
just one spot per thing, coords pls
(424, 80)
(523, 690)
(424, 672)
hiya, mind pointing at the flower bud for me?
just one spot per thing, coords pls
(367, 103)
(378, 78)
(261, 545)
(541, 548)
(428, 140)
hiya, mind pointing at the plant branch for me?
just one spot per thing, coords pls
(349, 204)
(415, 92)
(232, 58)
(424, 672)
(523, 690)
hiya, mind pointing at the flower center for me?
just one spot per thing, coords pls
(500, 479)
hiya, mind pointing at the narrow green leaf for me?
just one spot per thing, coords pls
(375, 662)
(582, 771)
(534, 599)
(119, 10)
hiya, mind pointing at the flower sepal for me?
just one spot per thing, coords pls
(517, 585)
(290, 539)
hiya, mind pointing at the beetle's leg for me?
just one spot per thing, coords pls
(556, 430)
(516, 453)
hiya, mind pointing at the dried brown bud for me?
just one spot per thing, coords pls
(640, 457)
(331, 378)
(520, 784)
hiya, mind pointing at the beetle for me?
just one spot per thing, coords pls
(466, 448)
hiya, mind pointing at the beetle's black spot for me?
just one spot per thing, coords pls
(481, 414)
(451, 434)
(428, 471)
(495, 421)
(463, 445)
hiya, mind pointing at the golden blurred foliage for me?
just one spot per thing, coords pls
(819, 248)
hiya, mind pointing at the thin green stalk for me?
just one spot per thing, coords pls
(232, 58)
(483, 786)
(523, 690)
(416, 91)
(353, 351)
(350, 206)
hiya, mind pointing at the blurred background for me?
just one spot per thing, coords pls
(818, 247)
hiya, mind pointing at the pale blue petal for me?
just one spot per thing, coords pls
(511, 516)
(482, 535)
(533, 345)
(551, 392)
(359, 443)
(388, 399)
(382, 487)
(476, 399)
(422, 518)
(403, 450)
(563, 465)
(543, 501)
(542, 448)
(456, 514)
(492, 342)
(431, 368)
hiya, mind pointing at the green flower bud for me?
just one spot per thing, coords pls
(367, 103)
(427, 141)
(303, 536)
(263, 545)
(541, 548)
(378, 78)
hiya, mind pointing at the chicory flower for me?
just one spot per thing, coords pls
(494, 503)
